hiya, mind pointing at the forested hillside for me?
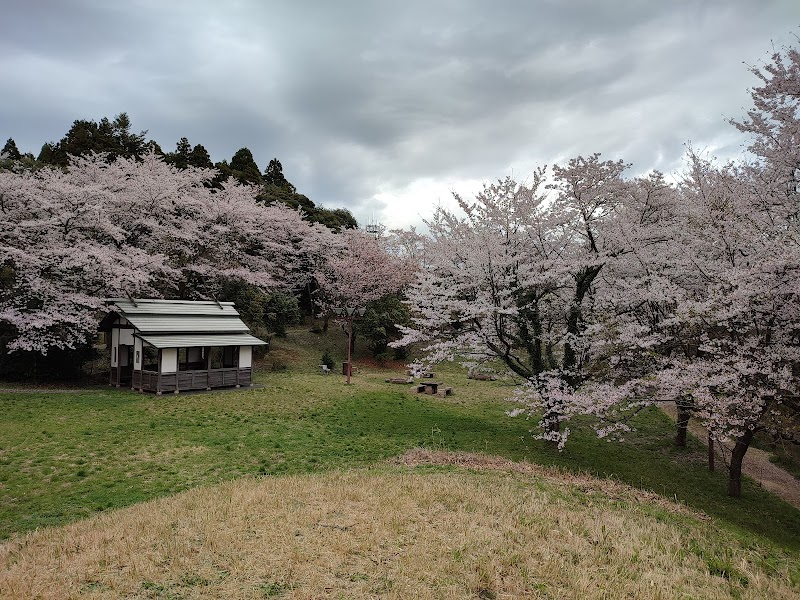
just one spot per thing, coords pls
(116, 138)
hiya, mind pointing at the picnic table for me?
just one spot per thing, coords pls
(429, 387)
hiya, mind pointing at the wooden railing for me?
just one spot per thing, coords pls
(152, 381)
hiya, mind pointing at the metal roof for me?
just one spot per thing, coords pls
(201, 339)
(177, 316)
(186, 324)
(131, 306)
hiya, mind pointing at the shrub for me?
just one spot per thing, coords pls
(327, 359)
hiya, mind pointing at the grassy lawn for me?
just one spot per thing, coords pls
(66, 456)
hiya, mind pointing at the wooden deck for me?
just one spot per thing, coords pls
(152, 381)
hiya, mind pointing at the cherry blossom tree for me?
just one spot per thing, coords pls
(407, 244)
(719, 330)
(63, 255)
(735, 274)
(744, 271)
(513, 280)
(69, 238)
(634, 333)
(361, 271)
(711, 319)
(772, 123)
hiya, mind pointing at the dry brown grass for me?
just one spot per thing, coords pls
(610, 489)
(497, 530)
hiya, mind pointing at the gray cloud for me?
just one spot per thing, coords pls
(365, 102)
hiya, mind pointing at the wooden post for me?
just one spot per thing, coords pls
(349, 345)
(115, 350)
(236, 363)
(177, 370)
(158, 380)
(208, 367)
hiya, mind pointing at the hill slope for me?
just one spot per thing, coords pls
(398, 531)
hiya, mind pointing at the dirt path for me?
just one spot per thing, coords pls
(756, 463)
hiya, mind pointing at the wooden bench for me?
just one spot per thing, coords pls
(400, 380)
(481, 377)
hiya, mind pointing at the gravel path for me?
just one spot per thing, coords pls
(756, 463)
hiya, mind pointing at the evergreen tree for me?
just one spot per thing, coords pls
(223, 173)
(10, 150)
(112, 137)
(200, 158)
(270, 194)
(47, 154)
(274, 176)
(335, 219)
(81, 139)
(244, 167)
(181, 157)
(152, 146)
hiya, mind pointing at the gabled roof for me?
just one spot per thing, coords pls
(175, 321)
(136, 306)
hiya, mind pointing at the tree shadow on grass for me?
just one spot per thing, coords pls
(387, 425)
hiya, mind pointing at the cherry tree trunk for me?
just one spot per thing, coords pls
(554, 424)
(583, 283)
(570, 366)
(684, 409)
(570, 359)
(530, 327)
(552, 415)
(737, 457)
(710, 452)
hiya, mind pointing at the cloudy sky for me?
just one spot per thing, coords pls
(385, 107)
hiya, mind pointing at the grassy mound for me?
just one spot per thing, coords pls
(498, 529)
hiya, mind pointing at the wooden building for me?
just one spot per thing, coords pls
(177, 345)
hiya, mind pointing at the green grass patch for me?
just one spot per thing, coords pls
(66, 456)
